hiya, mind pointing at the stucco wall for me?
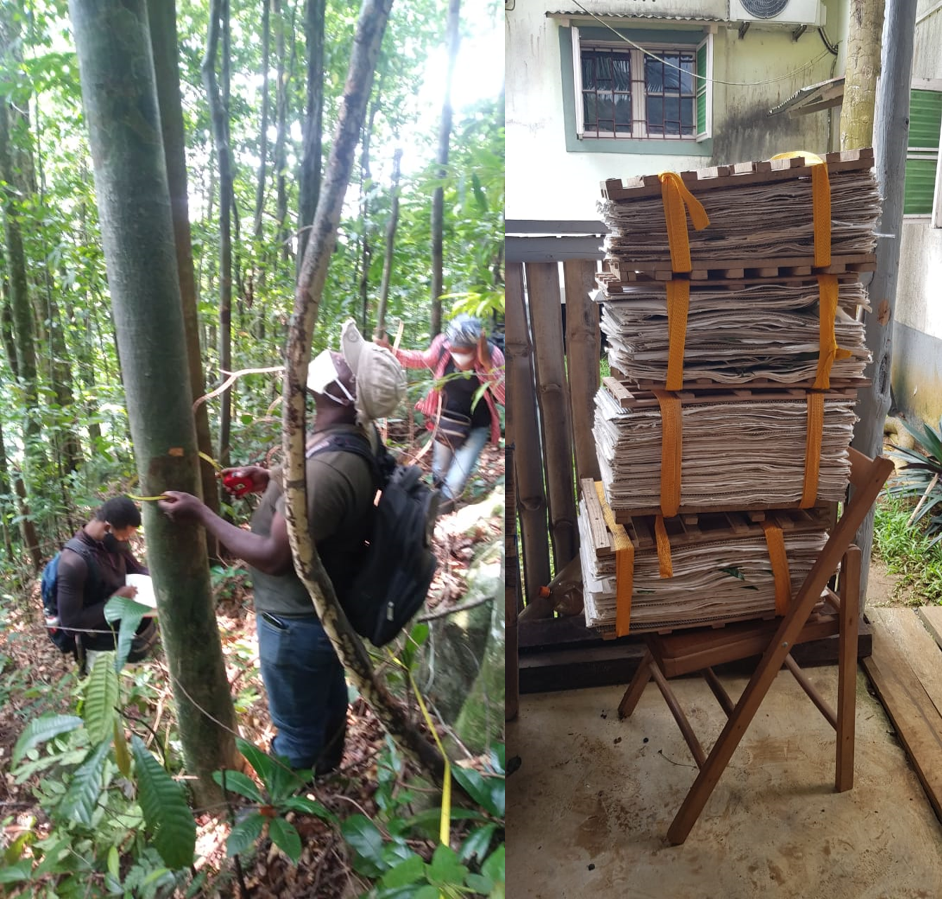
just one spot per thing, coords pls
(916, 362)
(544, 181)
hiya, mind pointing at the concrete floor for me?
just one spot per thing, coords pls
(590, 805)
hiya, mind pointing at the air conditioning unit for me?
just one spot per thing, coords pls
(778, 12)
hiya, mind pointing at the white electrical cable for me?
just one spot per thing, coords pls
(620, 36)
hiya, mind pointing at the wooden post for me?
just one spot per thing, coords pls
(544, 303)
(583, 344)
(890, 138)
(511, 590)
(523, 425)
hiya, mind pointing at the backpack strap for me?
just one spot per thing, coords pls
(359, 445)
(82, 550)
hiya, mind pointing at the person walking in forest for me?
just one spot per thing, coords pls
(307, 692)
(93, 567)
(461, 407)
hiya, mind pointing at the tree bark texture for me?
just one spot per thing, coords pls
(219, 115)
(438, 198)
(310, 181)
(861, 73)
(891, 135)
(391, 226)
(369, 34)
(120, 101)
(366, 177)
(163, 34)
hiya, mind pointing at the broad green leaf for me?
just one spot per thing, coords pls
(488, 792)
(245, 834)
(122, 756)
(41, 729)
(477, 842)
(13, 852)
(51, 857)
(286, 838)
(364, 836)
(16, 873)
(431, 819)
(114, 862)
(130, 613)
(479, 883)
(80, 799)
(309, 806)
(280, 781)
(166, 814)
(493, 867)
(408, 871)
(445, 867)
(101, 697)
(237, 782)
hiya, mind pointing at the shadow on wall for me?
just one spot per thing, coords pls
(748, 134)
(916, 374)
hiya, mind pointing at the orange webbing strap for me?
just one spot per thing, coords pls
(828, 349)
(678, 202)
(813, 449)
(671, 451)
(821, 207)
(775, 541)
(663, 548)
(624, 565)
(678, 304)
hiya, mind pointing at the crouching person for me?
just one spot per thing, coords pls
(93, 567)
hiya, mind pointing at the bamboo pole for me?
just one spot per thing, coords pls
(544, 304)
(523, 424)
(583, 343)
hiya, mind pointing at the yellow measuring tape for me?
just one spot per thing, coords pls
(678, 203)
(624, 565)
(154, 499)
(775, 541)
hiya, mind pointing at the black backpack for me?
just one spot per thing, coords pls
(49, 590)
(397, 567)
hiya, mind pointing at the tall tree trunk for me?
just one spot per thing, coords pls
(219, 115)
(366, 176)
(6, 500)
(22, 318)
(864, 34)
(438, 198)
(891, 135)
(263, 128)
(163, 34)
(310, 181)
(27, 528)
(120, 101)
(391, 226)
(370, 28)
(280, 160)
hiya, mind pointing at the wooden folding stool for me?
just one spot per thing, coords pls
(815, 612)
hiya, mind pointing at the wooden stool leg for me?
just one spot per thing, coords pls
(637, 685)
(847, 669)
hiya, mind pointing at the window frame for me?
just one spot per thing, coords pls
(703, 86)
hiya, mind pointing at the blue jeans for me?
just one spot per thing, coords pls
(307, 694)
(452, 468)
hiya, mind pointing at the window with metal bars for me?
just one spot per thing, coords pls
(659, 92)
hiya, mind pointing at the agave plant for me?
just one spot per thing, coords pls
(921, 475)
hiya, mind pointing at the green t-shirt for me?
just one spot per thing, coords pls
(340, 492)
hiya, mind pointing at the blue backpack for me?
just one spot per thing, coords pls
(49, 586)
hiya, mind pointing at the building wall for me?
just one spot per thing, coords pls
(916, 361)
(546, 182)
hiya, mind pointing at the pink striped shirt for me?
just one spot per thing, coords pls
(435, 358)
